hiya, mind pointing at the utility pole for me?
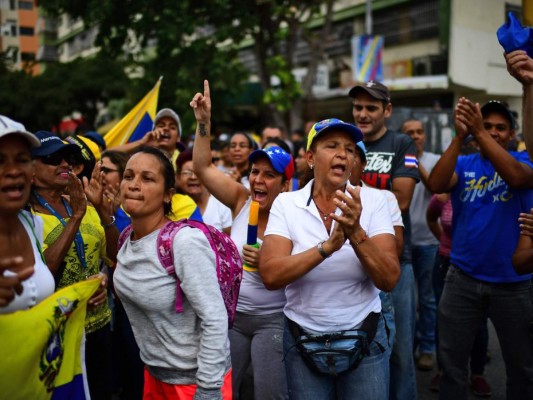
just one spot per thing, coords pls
(368, 16)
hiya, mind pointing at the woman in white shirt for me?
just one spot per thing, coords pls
(25, 280)
(258, 327)
(331, 246)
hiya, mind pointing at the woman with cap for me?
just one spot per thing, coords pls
(25, 279)
(332, 268)
(258, 327)
(77, 236)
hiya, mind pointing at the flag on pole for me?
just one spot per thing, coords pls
(41, 356)
(367, 51)
(137, 122)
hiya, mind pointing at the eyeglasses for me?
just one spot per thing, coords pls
(187, 173)
(56, 158)
(106, 170)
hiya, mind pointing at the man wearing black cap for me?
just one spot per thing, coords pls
(392, 165)
(488, 192)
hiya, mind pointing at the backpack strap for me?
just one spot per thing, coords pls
(165, 253)
(123, 236)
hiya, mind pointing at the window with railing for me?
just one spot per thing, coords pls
(406, 23)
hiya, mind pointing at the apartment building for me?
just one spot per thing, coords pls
(19, 41)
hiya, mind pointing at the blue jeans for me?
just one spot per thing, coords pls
(368, 381)
(423, 261)
(464, 305)
(402, 324)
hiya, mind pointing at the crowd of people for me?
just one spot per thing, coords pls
(373, 257)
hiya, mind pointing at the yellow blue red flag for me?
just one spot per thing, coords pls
(40, 355)
(367, 51)
(137, 122)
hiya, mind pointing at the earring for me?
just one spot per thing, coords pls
(311, 166)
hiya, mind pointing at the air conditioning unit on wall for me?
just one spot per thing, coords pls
(5, 30)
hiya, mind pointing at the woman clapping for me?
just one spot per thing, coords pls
(331, 245)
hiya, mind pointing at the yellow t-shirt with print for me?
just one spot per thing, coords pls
(94, 242)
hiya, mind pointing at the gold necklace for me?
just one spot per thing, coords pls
(324, 215)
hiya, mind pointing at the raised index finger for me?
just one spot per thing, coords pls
(207, 93)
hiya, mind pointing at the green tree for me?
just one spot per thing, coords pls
(199, 39)
(41, 101)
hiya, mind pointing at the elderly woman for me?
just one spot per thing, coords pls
(77, 237)
(332, 247)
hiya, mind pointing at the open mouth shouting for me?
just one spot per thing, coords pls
(14, 191)
(164, 136)
(260, 195)
(339, 169)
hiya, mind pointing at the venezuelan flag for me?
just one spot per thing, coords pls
(367, 51)
(41, 356)
(137, 122)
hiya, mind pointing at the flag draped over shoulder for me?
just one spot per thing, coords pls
(137, 122)
(40, 355)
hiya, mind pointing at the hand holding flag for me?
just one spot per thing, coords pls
(251, 240)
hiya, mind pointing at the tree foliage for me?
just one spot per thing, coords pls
(198, 39)
(41, 101)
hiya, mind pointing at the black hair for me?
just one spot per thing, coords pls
(252, 143)
(167, 169)
(278, 142)
(300, 144)
(119, 158)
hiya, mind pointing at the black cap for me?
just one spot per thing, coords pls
(495, 106)
(375, 89)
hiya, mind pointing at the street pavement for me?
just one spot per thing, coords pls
(494, 373)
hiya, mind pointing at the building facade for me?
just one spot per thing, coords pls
(19, 41)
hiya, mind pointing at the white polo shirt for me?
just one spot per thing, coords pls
(337, 294)
(254, 298)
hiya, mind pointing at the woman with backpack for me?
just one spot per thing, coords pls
(256, 337)
(185, 349)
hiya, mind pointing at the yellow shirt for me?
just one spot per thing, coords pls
(94, 242)
(182, 207)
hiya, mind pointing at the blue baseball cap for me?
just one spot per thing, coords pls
(333, 124)
(281, 160)
(362, 149)
(50, 144)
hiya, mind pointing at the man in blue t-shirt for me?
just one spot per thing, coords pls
(489, 190)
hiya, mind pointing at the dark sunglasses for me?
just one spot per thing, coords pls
(56, 158)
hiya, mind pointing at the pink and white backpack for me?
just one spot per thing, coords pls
(228, 260)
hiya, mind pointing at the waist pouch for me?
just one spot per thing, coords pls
(335, 352)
